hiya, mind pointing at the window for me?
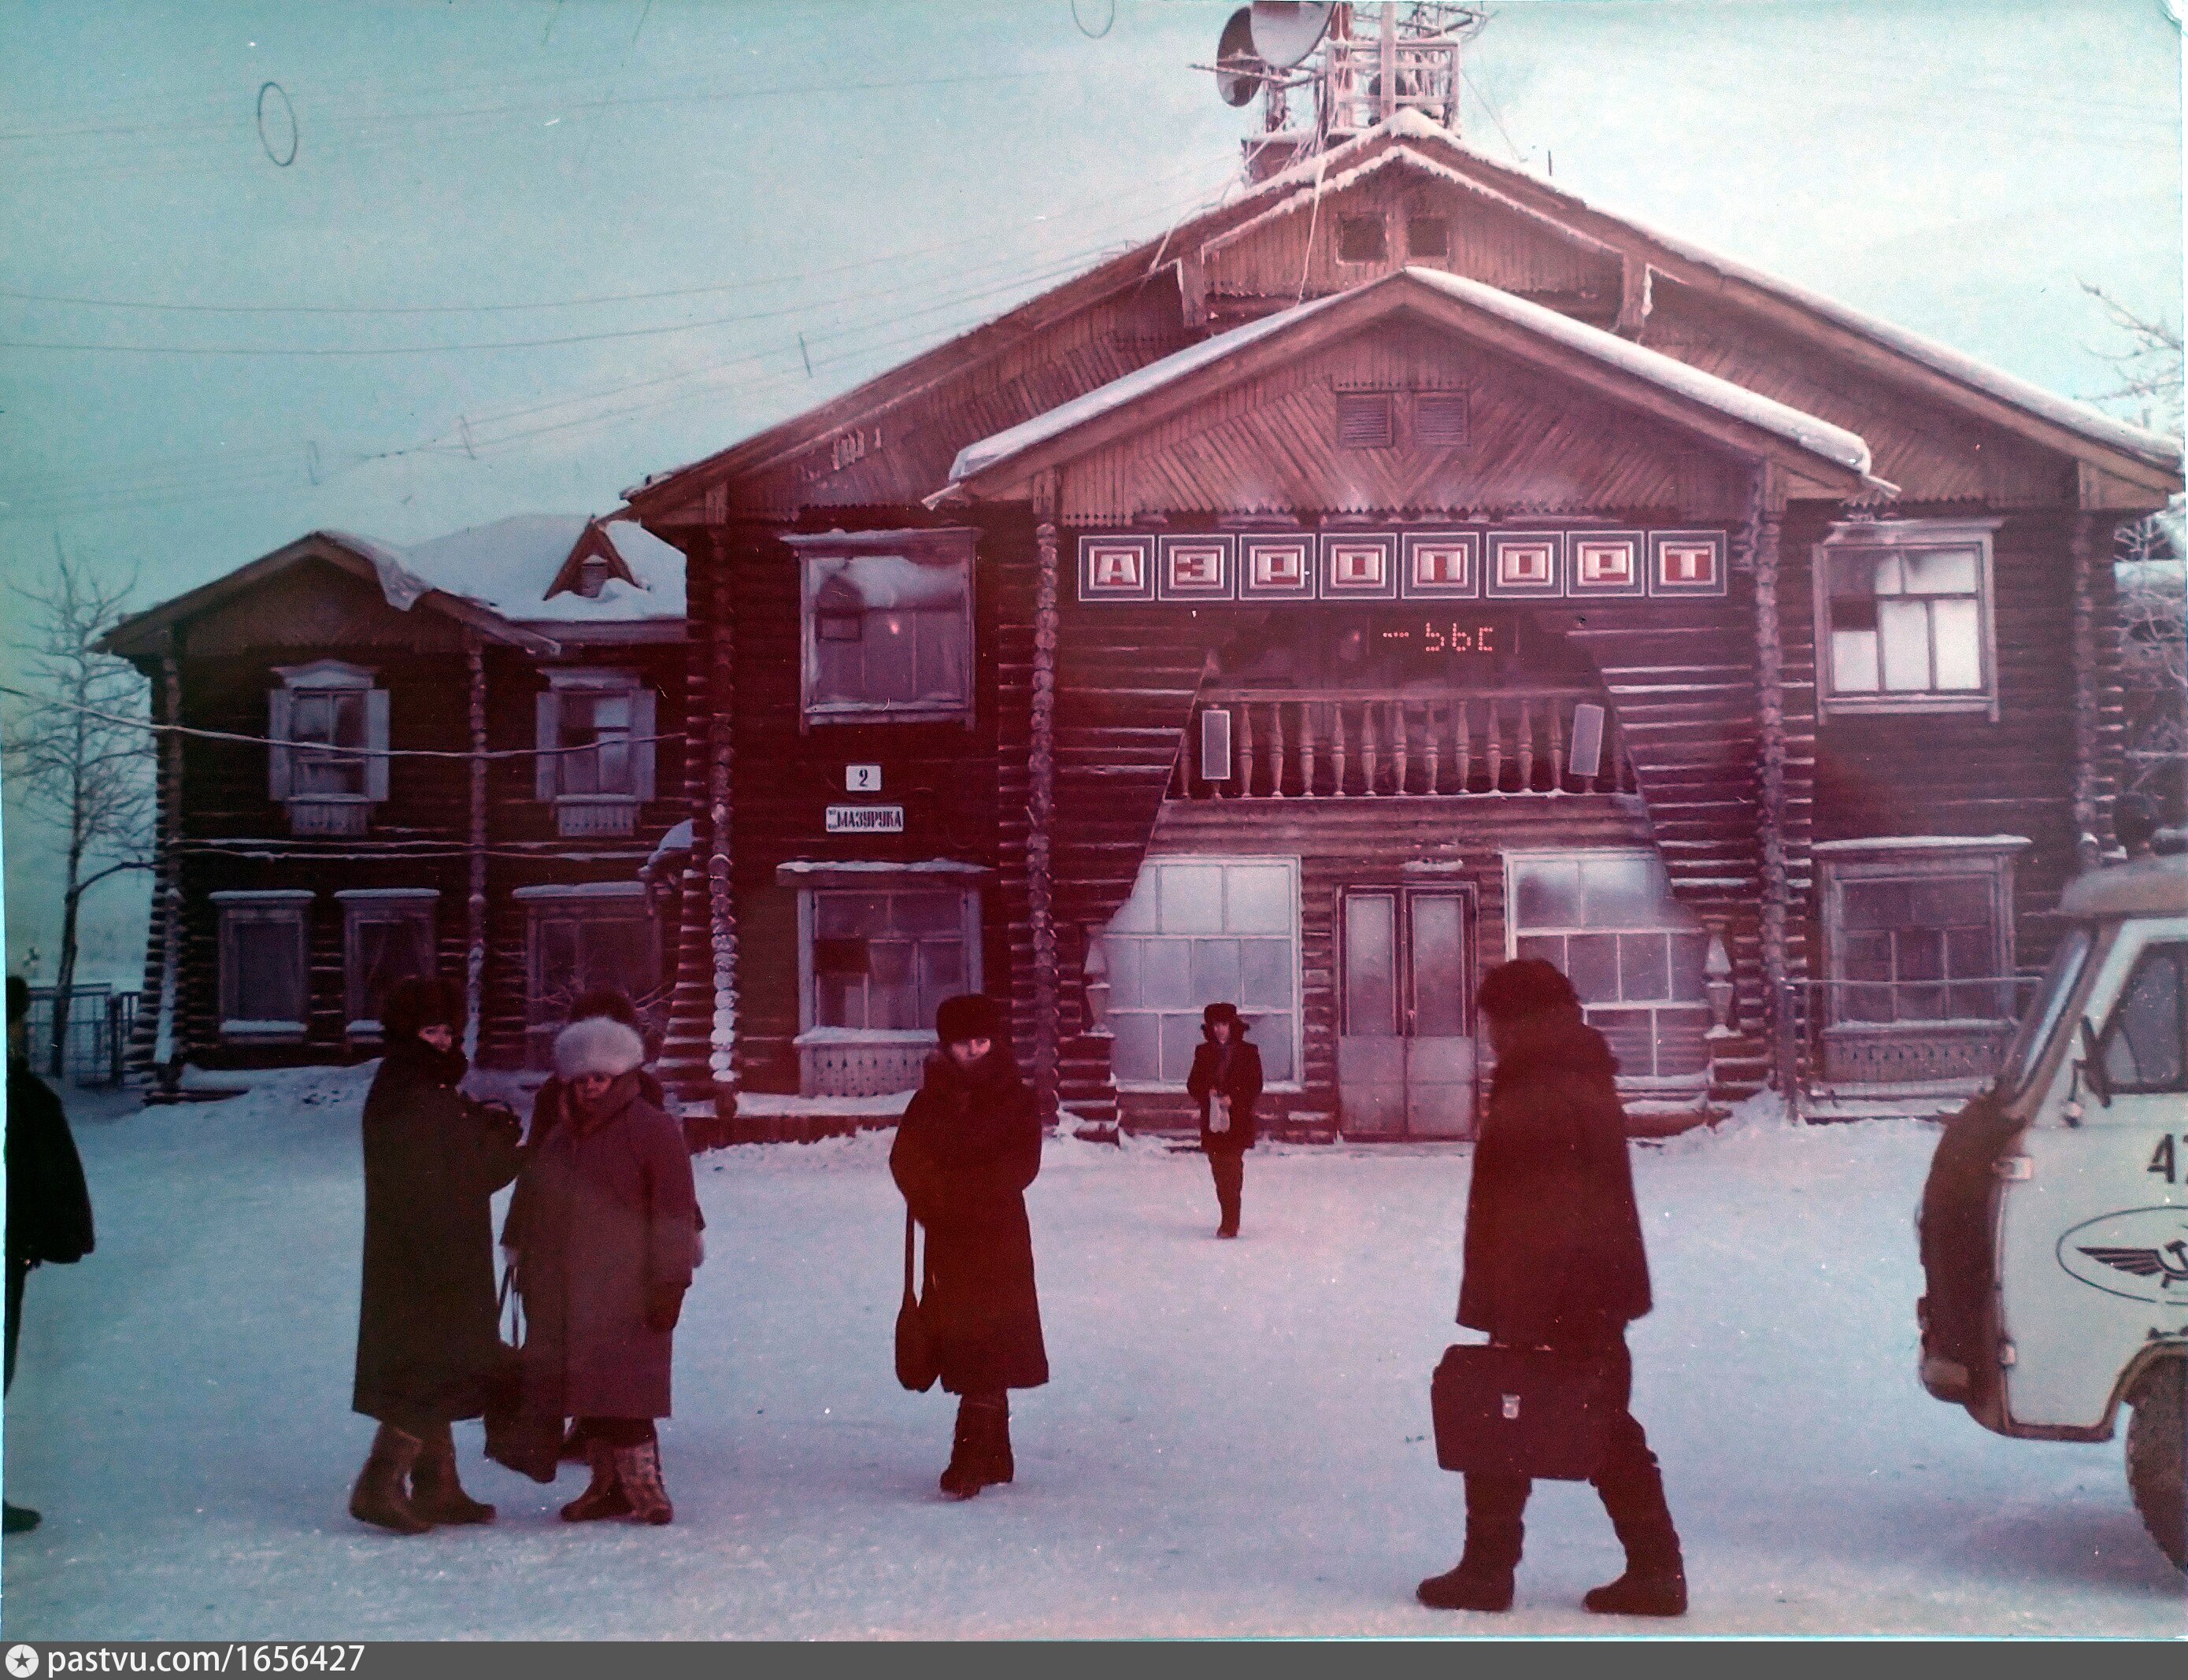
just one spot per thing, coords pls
(1428, 236)
(888, 625)
(265, 991)
(1918, 930)
(388, 938)
(329, 764)
(1607, 921)
(1198, 930)
(1360, 238)
(2042, 1019)
(579, 939)
(882, 960)
(2145, 1047)
(595, 745)
(1903, 617)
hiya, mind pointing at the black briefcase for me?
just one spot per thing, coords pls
(1518, 1412)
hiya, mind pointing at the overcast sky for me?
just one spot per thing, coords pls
(398, 244)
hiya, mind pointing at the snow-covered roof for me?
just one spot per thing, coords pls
(509, 565)
(1806, 432)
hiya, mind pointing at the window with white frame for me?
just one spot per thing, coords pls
(1607, 921)
(388, 938)
(1918, 930)
(888, 625)
(582, 938)
(1904, 617)
(1198, 930)
(881, 959)
(328, 762)
(595, 739)
(264, 968)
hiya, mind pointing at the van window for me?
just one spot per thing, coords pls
(2044, 1010)
(2144, 1045)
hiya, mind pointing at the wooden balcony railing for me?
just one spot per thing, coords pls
(1350, 744)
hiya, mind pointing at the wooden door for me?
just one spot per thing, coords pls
(1405, 1047)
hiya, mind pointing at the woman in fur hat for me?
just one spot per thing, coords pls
(967, 1147)
(1226, 1081)
(605, 1250)
(426, 1338)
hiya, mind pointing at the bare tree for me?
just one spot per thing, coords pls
(73, 751)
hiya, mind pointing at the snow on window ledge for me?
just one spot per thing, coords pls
(261, 1030)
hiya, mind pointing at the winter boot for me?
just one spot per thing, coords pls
(1655, 1579)
(638, 1468)
(1658, 1590)
(1482, 1580)
(604, 1498)
(379, 1497)
(436, 1494)
(960, 1477)
(992, 1419)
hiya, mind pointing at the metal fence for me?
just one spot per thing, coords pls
(1846, 1048)
(99, 1022)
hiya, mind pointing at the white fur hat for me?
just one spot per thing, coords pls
(597, 1046)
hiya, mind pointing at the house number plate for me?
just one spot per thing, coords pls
(865, 818)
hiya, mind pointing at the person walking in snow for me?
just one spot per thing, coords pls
(1226, 1081)
(1553, 1258)
(426, 1340)
(605, 1255)
(48, 1207)
(969, 1146)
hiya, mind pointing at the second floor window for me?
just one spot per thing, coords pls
(329, 759)
(1904, 609)
(888, 625)
(596, 744)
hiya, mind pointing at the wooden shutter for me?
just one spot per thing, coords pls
(547, 713)
(280, 715)
(642, 743)
(376, 741)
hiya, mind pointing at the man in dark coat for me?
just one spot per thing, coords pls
(969, 1146)
(48, 1207)
(426, 1340)
(607, 1243)
(1553, 1259)
(1226, 1081)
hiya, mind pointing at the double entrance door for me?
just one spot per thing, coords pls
(1405, 1046)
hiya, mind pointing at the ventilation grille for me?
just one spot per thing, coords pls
(1440, 419)
(1360, 239)
(1363, 419)
(1428, 236)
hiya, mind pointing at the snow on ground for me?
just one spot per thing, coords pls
(1235, 1441)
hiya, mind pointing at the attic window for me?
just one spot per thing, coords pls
(592, 573)
(1428, 236)
(1440, 419)
(1360, 239)
(1364, 420)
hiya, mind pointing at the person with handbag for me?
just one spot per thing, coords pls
(966, 1148)
(606, 1247)
(427, 1343)
(1226, 1081)
(1554, 1260)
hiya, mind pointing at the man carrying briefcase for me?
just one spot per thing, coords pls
(1554, 1260)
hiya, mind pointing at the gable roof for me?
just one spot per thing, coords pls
(1529, 331)
(1411, 139)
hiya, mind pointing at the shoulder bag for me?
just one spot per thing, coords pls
(918, 1363)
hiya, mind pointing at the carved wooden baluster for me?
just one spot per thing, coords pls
(1401, 723)
(1242, 756)
(1494, 732)
(1277, 748)
(1370, 729)
(1337, 743)
(1307, 749)
(1557, 750)
(1526, 747)
(1435, 721)
(1462, 742)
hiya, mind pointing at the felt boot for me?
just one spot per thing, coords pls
(639, 1469)
(381, 1496)
(960, 1477)
(605, 1496)
(993, 1421)
(1482, 1580)
(436, 1493)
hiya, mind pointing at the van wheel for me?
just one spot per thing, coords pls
(2154, 1452)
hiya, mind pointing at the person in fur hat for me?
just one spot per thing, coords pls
(1226, 1081)
(605, 1251)
(969, 1146)
(1553, 1258)
(426, 1340)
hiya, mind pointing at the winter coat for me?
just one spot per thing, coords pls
(608, 1222)
(1241, 1082)
(547, 1110)
(433, 1157)
(967, 1146)
(48, 1207)
(1554, 1253)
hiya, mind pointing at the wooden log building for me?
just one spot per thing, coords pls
(1400, 568)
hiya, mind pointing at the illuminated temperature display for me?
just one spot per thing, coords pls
(1461, 636)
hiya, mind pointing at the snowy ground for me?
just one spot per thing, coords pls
(1235, 1441)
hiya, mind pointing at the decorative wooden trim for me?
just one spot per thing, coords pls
(721, 763)
(475, 897)
(1040, 800)
(1765, 523)
(2082, 777)
(165, 1052)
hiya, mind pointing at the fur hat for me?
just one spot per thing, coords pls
(597, 1046)
(968, 1016)
(1526, 986)
(1224, 1011)
(419, 1002)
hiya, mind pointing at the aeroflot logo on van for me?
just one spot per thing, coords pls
(2141, 1253)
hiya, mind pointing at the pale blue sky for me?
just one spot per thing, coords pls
(876, 175)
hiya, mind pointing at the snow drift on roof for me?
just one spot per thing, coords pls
(509, 566)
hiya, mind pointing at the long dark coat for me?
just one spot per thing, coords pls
(433, 1157)
(609, 1207)
(549, 1105)
(1241, 1082)
(48, 1208)
(969, 1146)
(1554, 1253)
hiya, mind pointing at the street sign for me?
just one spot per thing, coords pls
(865, 818)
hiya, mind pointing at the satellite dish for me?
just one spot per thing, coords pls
(1238, 71)
(1286, 31)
